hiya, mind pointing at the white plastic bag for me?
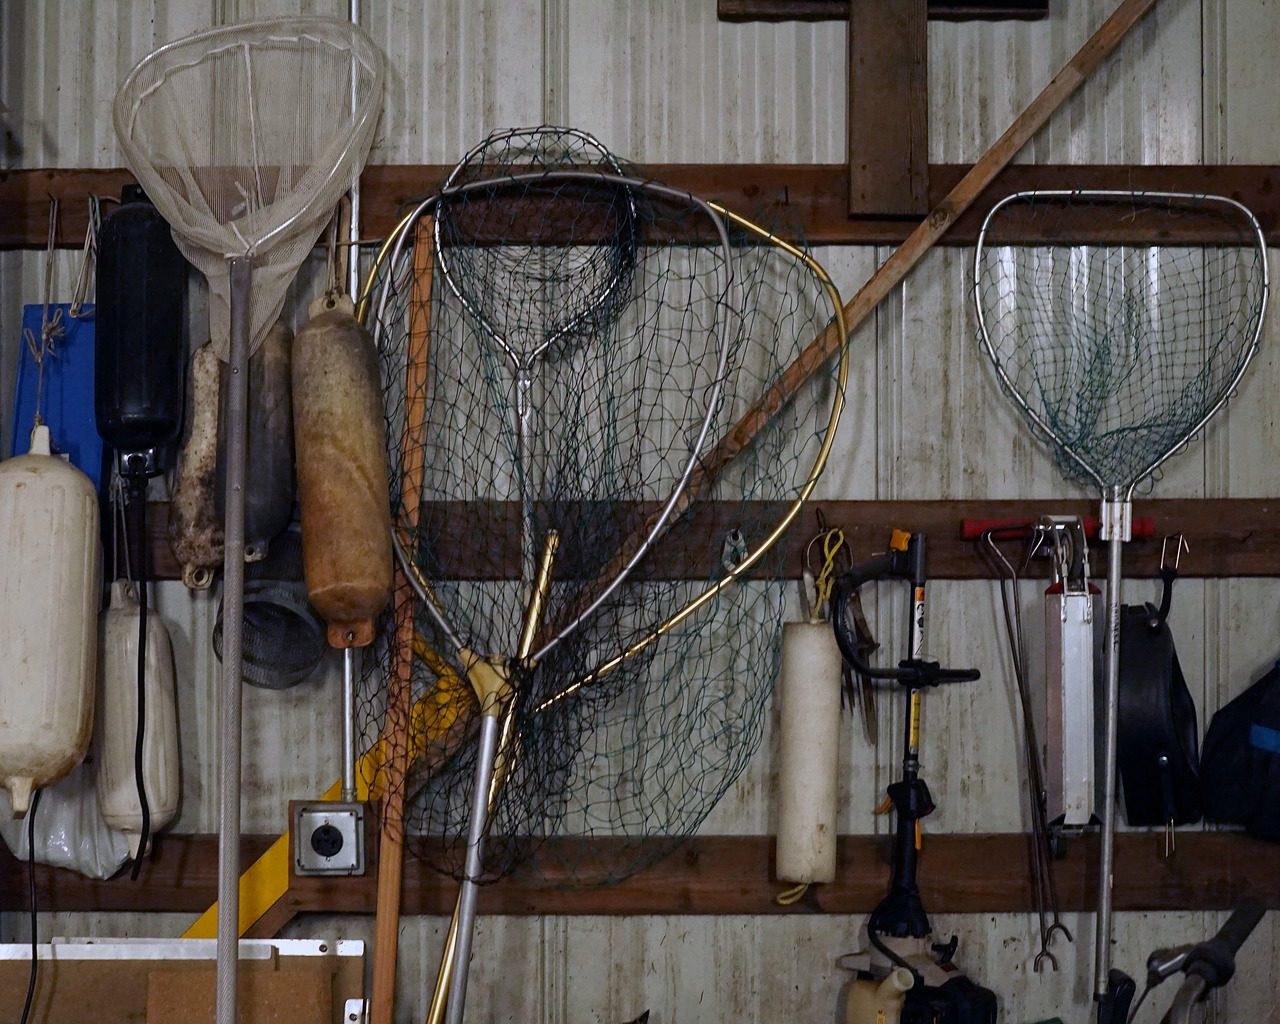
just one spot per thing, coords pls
(70, 831)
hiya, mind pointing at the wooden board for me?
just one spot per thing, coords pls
(187, 994)
(888, 109)
(281, 990)
(812, 196)
(838, 10)
(729, 875)
(1226, 536)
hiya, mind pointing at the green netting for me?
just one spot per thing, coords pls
(1114, 347)
(590, 340)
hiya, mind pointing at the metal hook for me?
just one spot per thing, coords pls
(1046, 940)
(1058, 926)
(1180, 547)
(1042, 956)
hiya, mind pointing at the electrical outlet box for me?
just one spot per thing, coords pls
(328, 838)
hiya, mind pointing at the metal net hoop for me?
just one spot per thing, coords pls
(1115, 345)
(245, 137)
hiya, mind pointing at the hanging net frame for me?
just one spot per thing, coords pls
(245, 137)
(1117, 346)
(1117, 352)
(585, 338)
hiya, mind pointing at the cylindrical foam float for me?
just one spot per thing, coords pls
(268, 492)
(342, 472)
(195, 529)
(808, 753)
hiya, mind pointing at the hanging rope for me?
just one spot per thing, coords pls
(52, 328)
(332, 286)
(832, 544)
(88, 262)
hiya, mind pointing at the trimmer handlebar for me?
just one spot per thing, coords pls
(906, 564)
(1215, 960)
(1207, 965)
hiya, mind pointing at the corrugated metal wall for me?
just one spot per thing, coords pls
(668, 82)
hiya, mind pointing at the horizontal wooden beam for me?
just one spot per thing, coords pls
(838, 10)
(1226, 536)
(179, 875)
(712, 875)
(812, 197)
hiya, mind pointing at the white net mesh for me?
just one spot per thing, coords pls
(245, 138)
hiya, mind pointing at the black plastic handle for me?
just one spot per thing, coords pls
(1113, 1008)
(1240, 925)
(1215, 960)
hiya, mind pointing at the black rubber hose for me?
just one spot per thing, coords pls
(137, 518)
(31, 881)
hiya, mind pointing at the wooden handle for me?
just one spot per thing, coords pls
(399, 690)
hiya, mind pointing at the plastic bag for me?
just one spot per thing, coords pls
(70, 831)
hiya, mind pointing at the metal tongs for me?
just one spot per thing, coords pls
(1063, 539)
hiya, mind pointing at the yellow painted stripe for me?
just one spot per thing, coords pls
(266, 880)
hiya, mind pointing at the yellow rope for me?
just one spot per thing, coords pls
(790, 896)
(832, 542)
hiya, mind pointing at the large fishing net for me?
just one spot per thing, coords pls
(562, 344)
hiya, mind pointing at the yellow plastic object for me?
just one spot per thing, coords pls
(899, 540)
(869, 1002)
(267, 879)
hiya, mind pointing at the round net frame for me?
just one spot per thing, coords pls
(1117, 353)
(596, 334)
(245, 137)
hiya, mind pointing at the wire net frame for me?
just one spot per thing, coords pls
(1117, 350)
(633, 722)
(245, 137)
(1094, 343)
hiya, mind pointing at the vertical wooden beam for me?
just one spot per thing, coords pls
(888, 108)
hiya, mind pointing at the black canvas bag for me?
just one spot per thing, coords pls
(1240, 767)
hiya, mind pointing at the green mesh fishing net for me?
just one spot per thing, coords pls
(563, 344)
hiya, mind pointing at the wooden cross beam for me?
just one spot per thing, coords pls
(888, 87)
(888, 108)
(838, 10)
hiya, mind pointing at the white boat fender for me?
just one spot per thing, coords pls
(49, 587)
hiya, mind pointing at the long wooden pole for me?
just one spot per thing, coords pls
(399, 689)
(932, 228)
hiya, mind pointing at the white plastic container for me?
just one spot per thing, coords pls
(118, 720)
(49, 581)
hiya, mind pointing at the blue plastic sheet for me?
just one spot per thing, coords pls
(67, 403)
